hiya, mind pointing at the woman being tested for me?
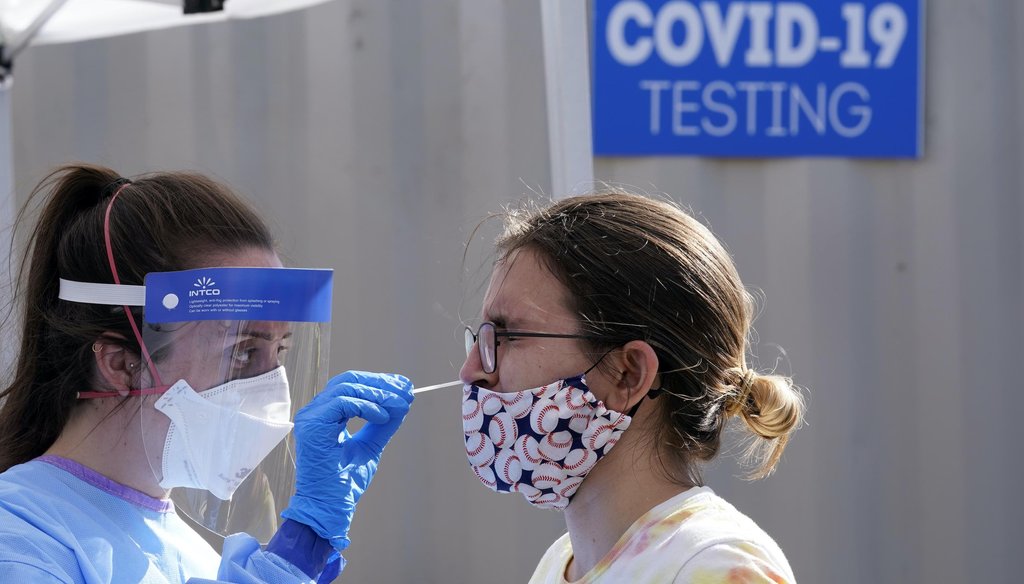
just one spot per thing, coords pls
(610, 359)
(165, 347)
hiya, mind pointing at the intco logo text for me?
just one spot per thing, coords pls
(204, 288)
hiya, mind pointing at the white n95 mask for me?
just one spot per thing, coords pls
(219, 435)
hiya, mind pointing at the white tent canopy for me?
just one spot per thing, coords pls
(79, 20)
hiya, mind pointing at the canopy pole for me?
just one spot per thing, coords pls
(567, 80)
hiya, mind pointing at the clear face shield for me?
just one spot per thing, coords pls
(229, 356)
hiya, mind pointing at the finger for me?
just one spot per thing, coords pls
(391, 381)
(378, 435)
(383, 396)
(340, 409)
(395, 404)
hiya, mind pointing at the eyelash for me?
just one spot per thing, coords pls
(247, 352)
(242, 356)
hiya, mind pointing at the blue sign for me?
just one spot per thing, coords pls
(762, 78)
(278, 294)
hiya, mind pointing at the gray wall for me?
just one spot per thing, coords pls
(376, 134)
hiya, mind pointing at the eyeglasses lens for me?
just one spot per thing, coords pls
(486, 343)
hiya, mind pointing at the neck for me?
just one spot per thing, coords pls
(622, 487)
(108, 440)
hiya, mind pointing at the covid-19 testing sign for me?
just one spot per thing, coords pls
(753, 79)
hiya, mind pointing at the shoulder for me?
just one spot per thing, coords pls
(719, 539)
(704, 519)
(738, 561)
(31, 553)
(702, 534)
(32, 493)
(28, 496)
(34, 544)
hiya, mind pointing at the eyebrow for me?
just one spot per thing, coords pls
(259, 335)
(500, 317)
(497, 318)
(502, 321)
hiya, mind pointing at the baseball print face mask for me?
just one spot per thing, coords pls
(539, 442)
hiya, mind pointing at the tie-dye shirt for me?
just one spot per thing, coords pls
(695, 537)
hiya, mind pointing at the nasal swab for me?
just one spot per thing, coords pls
(438, 386)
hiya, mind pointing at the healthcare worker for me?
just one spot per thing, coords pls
(609, 360)
(163, 352)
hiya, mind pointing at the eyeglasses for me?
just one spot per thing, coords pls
(486, 340)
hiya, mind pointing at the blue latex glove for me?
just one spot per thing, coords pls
(333, 467)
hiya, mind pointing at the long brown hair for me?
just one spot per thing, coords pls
(160, 222)
(640, 268)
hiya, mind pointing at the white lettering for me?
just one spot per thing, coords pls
(679, 107)
(863, 112)
(751, 88)
(759, 55)
(798, 102)
(854, 56)
(777, 129)
(719, 108)
(615, 32)
(693, 34)
(676, 33)
(888, 27)
(788, 15)
(723, 35)
(655, 87)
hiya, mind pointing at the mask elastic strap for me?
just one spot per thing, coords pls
(148, 391)
(596, 363)
(127, 309)
(621, 415)
(651, 394)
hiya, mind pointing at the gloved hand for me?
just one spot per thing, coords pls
(333, 467)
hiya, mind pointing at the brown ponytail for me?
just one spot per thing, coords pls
(771, 408)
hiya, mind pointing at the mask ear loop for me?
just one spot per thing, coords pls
(160, 387)
(621, 416)
(650, 394)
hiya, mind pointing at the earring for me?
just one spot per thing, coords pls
(132, 365)
(96, 347)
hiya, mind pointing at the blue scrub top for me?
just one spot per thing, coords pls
(63, 522)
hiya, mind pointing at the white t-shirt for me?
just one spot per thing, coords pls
(694, 537)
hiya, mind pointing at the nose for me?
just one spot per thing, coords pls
(264, 362)
(472, 371)
(272, 362)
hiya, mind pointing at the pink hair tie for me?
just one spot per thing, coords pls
(120, 184)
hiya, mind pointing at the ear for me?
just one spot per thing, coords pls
(117, 367)
(637, 366)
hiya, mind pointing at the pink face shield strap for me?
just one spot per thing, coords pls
(160, 387)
